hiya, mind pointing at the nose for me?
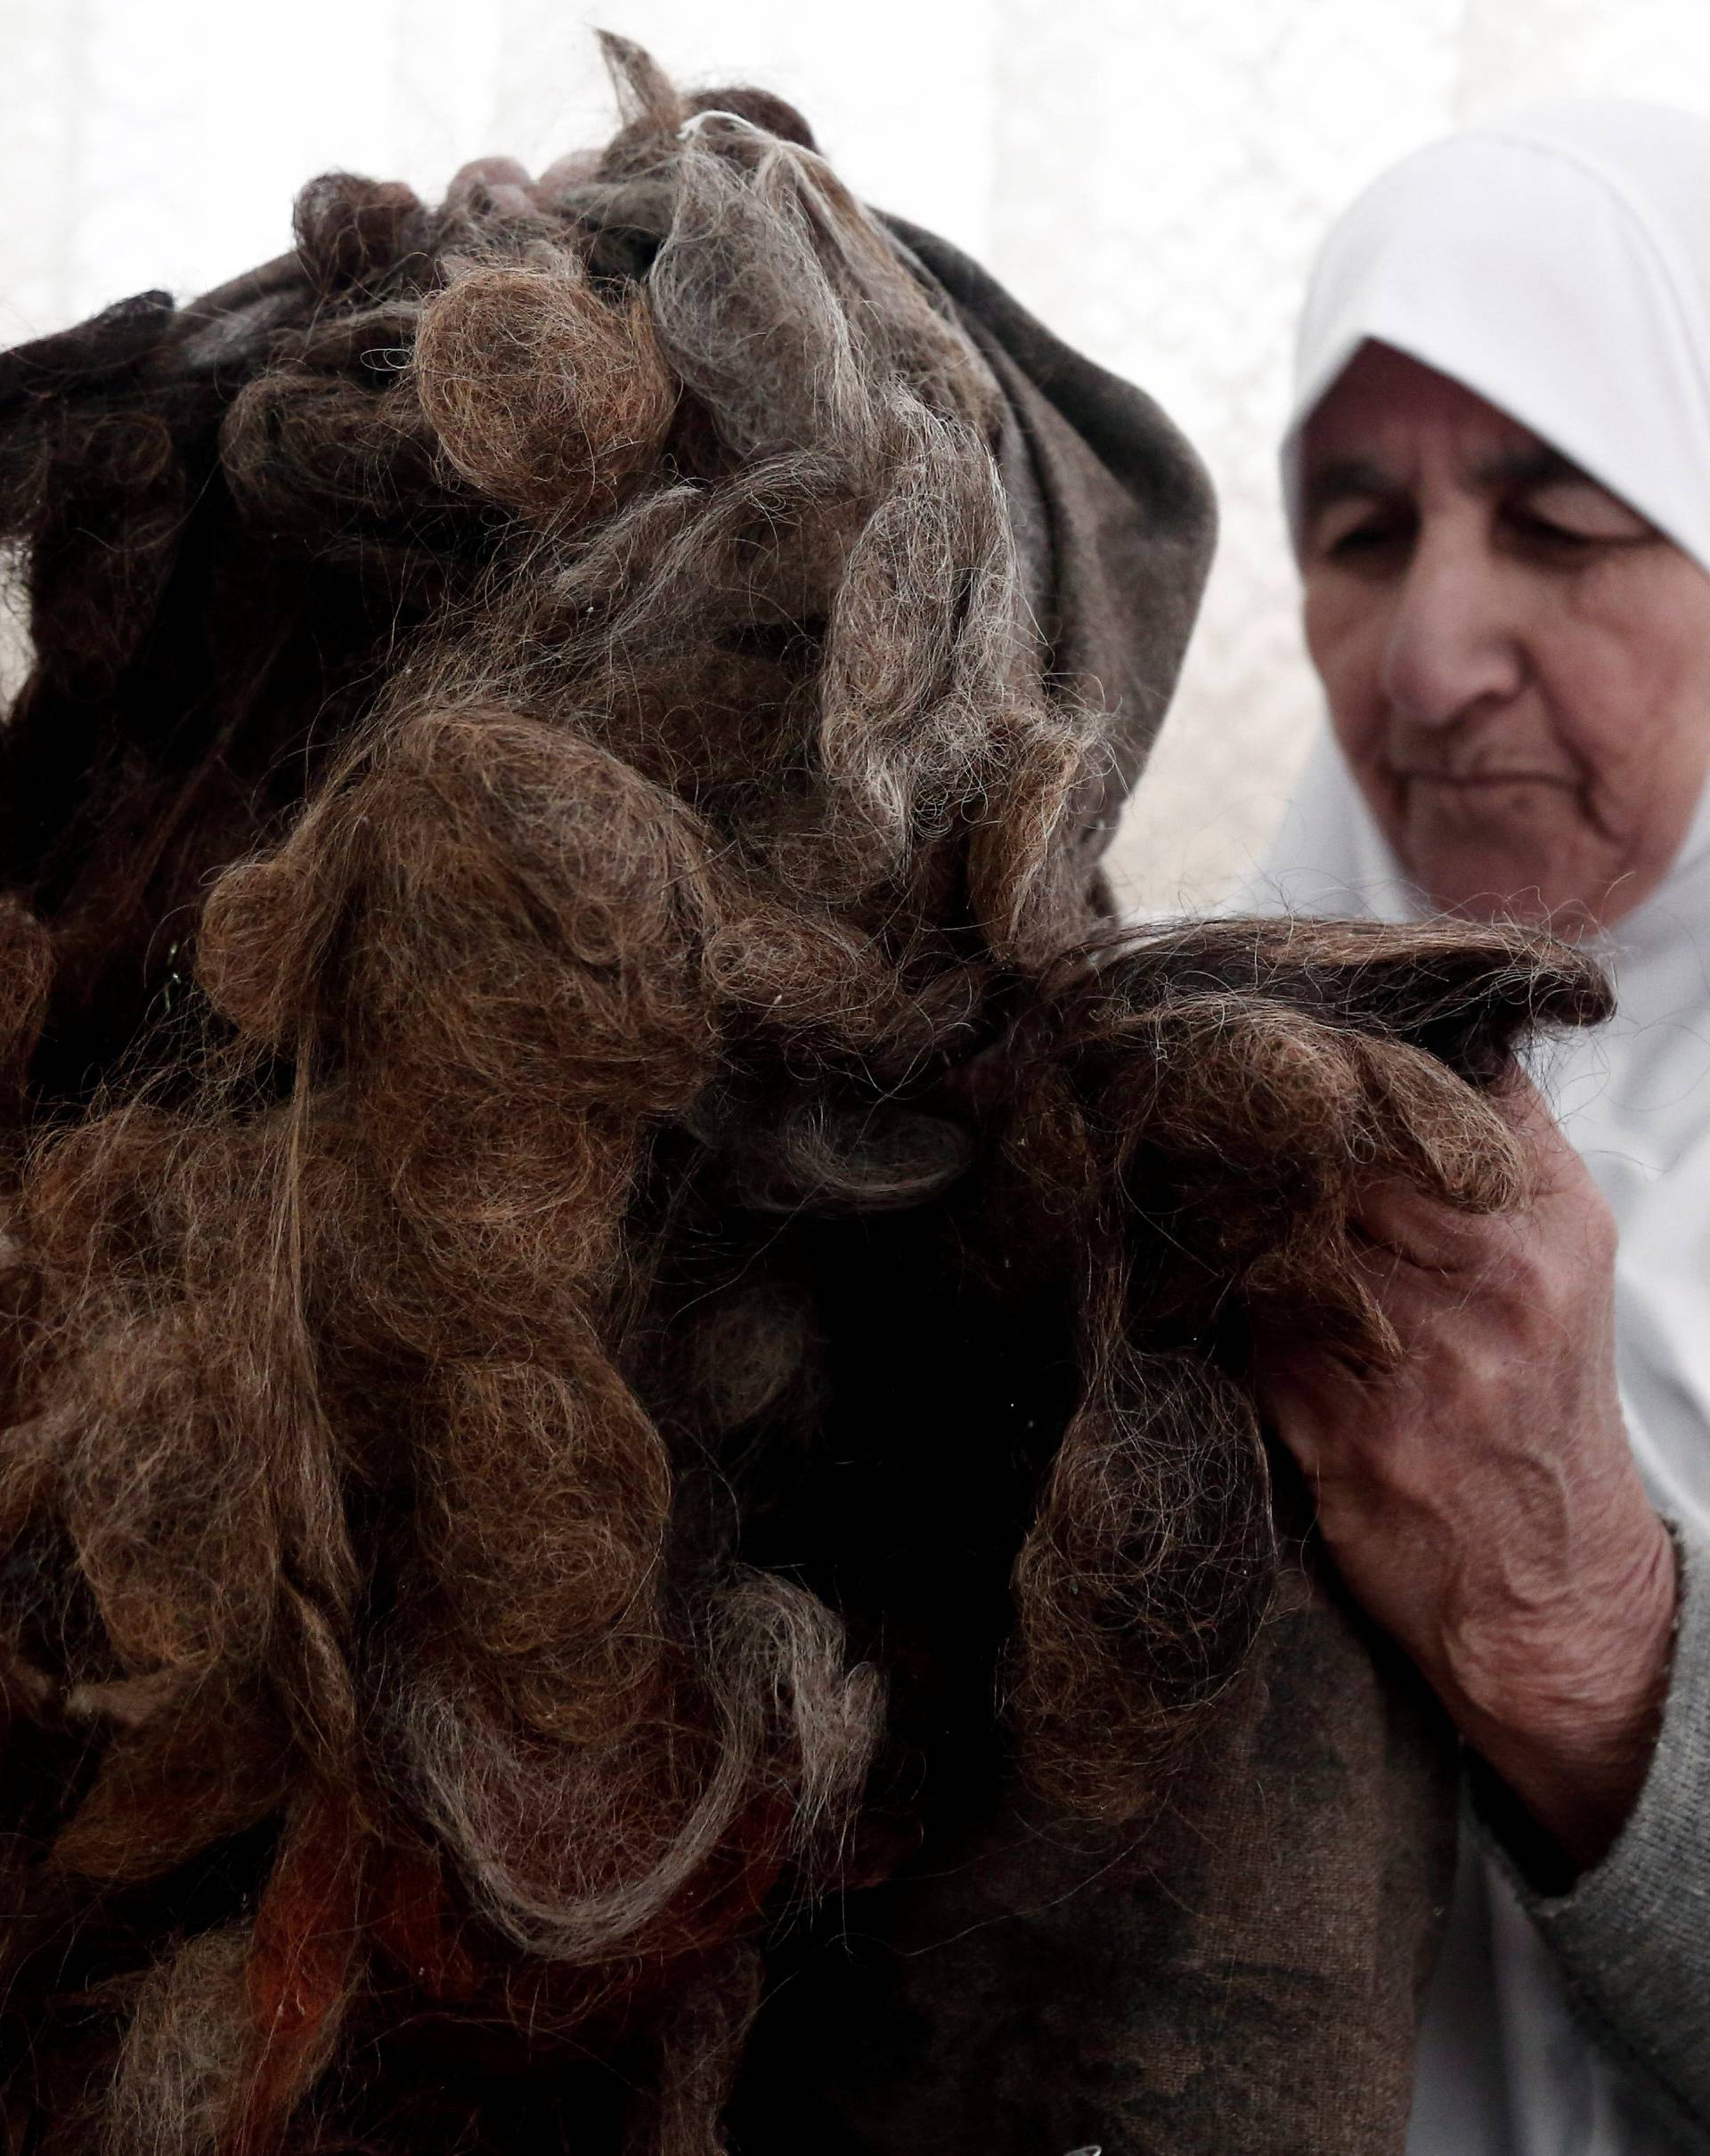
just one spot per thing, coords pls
(1455, 645)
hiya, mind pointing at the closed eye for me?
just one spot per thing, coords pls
(1365, 539)
(1381, 532)
(1527, 526)
(1574, 515)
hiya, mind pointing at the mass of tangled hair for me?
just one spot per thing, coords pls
(536, 812)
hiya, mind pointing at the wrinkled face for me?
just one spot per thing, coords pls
(1518, 665)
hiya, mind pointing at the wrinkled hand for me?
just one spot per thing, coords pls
(1482, 1503)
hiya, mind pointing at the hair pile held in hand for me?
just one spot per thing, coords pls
(542, 845)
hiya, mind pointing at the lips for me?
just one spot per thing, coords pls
(1513, 813)
(1506, 809)
(1472, 780)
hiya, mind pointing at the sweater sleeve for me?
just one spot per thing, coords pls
(1633, 1934)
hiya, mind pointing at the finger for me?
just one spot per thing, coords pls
(1298, 1415)
(1555, 1164)
(1396, 1215)
(1325, 1416)
(1399, 1221)
(1431, 1272)
(1521, 1104)
(1312, 1385)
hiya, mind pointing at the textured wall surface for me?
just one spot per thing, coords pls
(1152, 175)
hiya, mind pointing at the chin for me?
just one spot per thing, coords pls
(1498, 888)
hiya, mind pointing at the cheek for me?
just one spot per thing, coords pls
(1629, 680)
(1345, 629)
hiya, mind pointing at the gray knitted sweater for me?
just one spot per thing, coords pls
(1634, 1935)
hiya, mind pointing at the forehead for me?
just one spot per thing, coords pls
(1389, 409)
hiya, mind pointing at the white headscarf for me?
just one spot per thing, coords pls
(1558, 265)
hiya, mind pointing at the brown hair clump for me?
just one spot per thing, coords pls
(543, 396)
(583, 1177)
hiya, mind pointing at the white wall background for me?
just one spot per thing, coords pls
(1150, 175)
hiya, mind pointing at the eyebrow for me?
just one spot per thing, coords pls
(1362, 478)
(1344, 479)
(1536, 465)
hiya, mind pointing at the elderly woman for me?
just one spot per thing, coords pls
(1499, 482)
